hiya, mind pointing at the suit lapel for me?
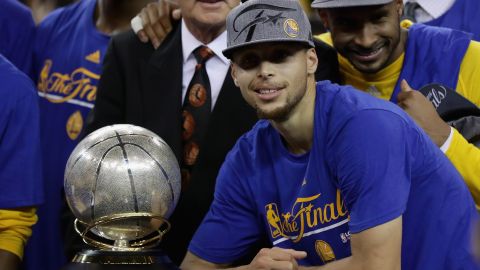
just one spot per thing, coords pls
(162, 86)
(229, 98)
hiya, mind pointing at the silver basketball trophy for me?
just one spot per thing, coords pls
(122, 183)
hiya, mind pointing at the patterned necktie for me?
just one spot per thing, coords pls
(196, 112)
(409, 11)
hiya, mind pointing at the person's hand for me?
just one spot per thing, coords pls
(276, 258)
(154, 22)
(424, 114)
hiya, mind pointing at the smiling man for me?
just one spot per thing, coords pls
(380, 55)
(335, 178)
(163, 87)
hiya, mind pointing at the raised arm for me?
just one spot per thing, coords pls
(464, 155)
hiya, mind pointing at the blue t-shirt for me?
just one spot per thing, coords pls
(68, 56)
(17, 32)
(369, 164)
(425, 57)
(20, 161)
(463, 15)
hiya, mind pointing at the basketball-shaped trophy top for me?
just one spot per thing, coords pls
(122, 170)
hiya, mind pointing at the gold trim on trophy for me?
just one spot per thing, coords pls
(123, 245)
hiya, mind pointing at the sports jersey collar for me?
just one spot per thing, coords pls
(190, 43)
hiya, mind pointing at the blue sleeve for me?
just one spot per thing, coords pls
(20, 164)
(370, 158)
(17, 33)
(232, 225)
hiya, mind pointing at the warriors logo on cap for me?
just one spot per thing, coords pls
(291, 28)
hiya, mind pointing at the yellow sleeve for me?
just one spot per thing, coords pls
(16, 228)
(468, 84)
(466, 158)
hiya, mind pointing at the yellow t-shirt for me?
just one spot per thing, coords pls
(16, 228)
(464, 156)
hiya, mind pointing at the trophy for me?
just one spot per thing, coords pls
(122, 183)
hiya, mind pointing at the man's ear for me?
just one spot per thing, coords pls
(323, 17)
(233, 72)
(399, 6)
(312, 61)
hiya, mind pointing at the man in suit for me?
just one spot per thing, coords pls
(145, 86)
(21, 182)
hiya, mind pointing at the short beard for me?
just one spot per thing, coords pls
(277, 115)
(281, 114)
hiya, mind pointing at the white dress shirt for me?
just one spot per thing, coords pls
(430, 9)
(217, 66)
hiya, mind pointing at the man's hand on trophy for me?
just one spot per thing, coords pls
(155, 20)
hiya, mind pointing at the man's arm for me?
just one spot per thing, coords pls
(8, 260)
(463, 155)
(155, 21)
(424, 114)
(266, 258)
(15, 229)
(375, 248)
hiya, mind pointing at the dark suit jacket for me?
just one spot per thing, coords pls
(142, 86)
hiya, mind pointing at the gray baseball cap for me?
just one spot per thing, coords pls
(347, 3)
(261, 21)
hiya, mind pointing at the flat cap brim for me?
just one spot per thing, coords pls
(347, 3)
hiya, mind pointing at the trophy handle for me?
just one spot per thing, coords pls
(123, 245)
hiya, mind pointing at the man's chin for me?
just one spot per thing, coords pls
(370, 68)
(277, 115)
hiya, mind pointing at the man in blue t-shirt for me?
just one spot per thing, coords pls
(332, 176)
(69, 48)
(21, 187)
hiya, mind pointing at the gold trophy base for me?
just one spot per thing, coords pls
(106, 260)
